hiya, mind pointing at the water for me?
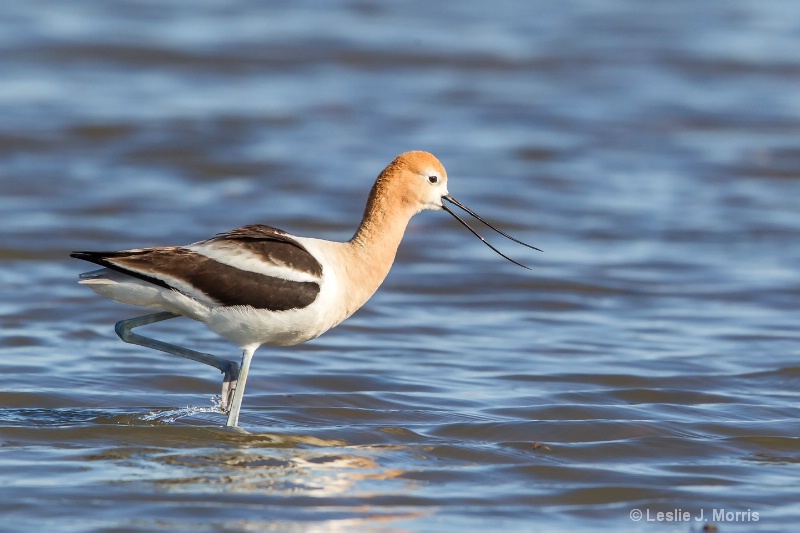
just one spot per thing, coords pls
(648, 362)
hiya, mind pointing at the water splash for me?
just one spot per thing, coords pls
(171, 415)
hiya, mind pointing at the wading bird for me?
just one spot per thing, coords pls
(259, 285)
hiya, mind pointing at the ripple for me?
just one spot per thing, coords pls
(649, 359)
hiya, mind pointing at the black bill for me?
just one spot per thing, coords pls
(474, 214)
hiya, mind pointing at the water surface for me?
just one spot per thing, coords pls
(649, 361)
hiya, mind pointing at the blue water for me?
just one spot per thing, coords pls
(648, 362)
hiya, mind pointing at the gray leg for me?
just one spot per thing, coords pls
(238, 394)
(227, 367)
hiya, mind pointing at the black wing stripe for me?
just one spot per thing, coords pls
(273, 246)
(99, 258)
(222, 283)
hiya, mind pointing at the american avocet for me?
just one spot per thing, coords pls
(259, 285)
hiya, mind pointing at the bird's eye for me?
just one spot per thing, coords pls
(433, 179)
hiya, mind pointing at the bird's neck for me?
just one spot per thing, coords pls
(373, 247)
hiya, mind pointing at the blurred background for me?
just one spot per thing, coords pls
(649, 361)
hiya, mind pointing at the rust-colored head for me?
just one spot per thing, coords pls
(412, 182)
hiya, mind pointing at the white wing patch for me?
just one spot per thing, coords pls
(232, 255)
